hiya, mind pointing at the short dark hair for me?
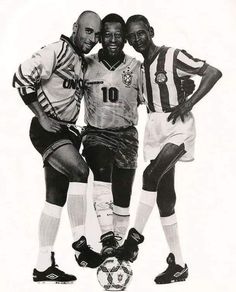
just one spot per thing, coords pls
(113, 17)
(136, 18)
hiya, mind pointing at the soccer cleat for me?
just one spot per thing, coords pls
(129, 250)
(53, 275)
(174, 273)
(109, 244)
(87, 257)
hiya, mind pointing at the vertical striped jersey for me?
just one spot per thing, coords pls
(163, 73)
(112, 94)
(54, 77)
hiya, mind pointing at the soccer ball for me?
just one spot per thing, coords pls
(114, 275)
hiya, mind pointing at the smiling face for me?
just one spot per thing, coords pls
(113, 38)
(140, 36)
(86, 32)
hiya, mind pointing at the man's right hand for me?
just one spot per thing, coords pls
(49, 124)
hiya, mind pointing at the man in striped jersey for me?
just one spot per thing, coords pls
(169, 137)
(50, 84)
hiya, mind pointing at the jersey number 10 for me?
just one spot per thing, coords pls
(110, 94)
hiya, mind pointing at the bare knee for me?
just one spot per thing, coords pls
(78, 173)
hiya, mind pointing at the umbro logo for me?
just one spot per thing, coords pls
(52, 276)
(83, 264)
(136, 237)
(178, 274)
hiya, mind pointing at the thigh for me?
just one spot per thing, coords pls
(56, 185)
(127, 154)
(164, 161)
(100, 160)
(67, 160)
(122, 182)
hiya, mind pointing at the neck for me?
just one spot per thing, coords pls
(148, 54)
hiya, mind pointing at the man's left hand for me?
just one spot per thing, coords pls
(180, 110)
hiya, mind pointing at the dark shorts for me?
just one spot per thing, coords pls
(123, 142)
(46, 142)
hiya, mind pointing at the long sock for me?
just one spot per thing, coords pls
(170, 228)
(121, 218)
(145, 207)
(48, 228)
(76, 207)
(103, 199)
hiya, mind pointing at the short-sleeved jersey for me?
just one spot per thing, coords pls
(54, 77)
(112, 96)
(163, 75)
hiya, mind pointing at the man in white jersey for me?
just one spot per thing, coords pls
(113, 90)
(50, 85)
(112, 94)
(168, 137)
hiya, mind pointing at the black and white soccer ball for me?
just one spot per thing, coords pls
(114, 275)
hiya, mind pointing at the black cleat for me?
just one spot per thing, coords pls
(129, 250)
(87, 257)
(174, 273)
(53, 275)
(109, 244)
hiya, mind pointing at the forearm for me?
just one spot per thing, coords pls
(209, 78)
(37, 109)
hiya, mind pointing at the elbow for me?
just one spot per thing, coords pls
(218, 74)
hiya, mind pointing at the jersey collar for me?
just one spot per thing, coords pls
(107, 63)
(69, 41)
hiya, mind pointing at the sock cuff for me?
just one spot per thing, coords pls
(102, 188)
(170, 220)
(101, 183)
(148, 198)
(77, 188)
(52, 210)
(121, 211)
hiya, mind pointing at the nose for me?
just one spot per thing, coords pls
(112, 37)
(93, 38)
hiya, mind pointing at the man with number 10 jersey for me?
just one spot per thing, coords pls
(113, 88)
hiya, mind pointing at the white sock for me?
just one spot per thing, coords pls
(170, 228)
(76, 207)
(121, 218)
(48, 228)
(146, 203)
(102, 197)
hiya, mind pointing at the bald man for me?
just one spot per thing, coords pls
(50, 84)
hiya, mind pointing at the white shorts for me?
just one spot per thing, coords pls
(159, 132)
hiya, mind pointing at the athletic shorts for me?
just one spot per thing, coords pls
(159, 131)
(123, 142)
(46, 142)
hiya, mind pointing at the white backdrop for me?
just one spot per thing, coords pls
(205, 187)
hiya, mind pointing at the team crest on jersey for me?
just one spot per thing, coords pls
(160, 77)
(127, 77)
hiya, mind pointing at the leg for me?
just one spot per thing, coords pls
(100, 160)
(68, 161)
(166, 199)
(122, 182)
(152, 175)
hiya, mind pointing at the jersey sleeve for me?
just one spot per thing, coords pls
(140, 83)
(187, 65)
(31, 72)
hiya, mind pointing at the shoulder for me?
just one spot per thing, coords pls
(132, 61)
(91, 59)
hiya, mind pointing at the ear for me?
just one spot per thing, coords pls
(151, 30)
(75, 26)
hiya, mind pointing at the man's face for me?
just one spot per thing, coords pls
(139, 36)
(113, 38)
(87, 33)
